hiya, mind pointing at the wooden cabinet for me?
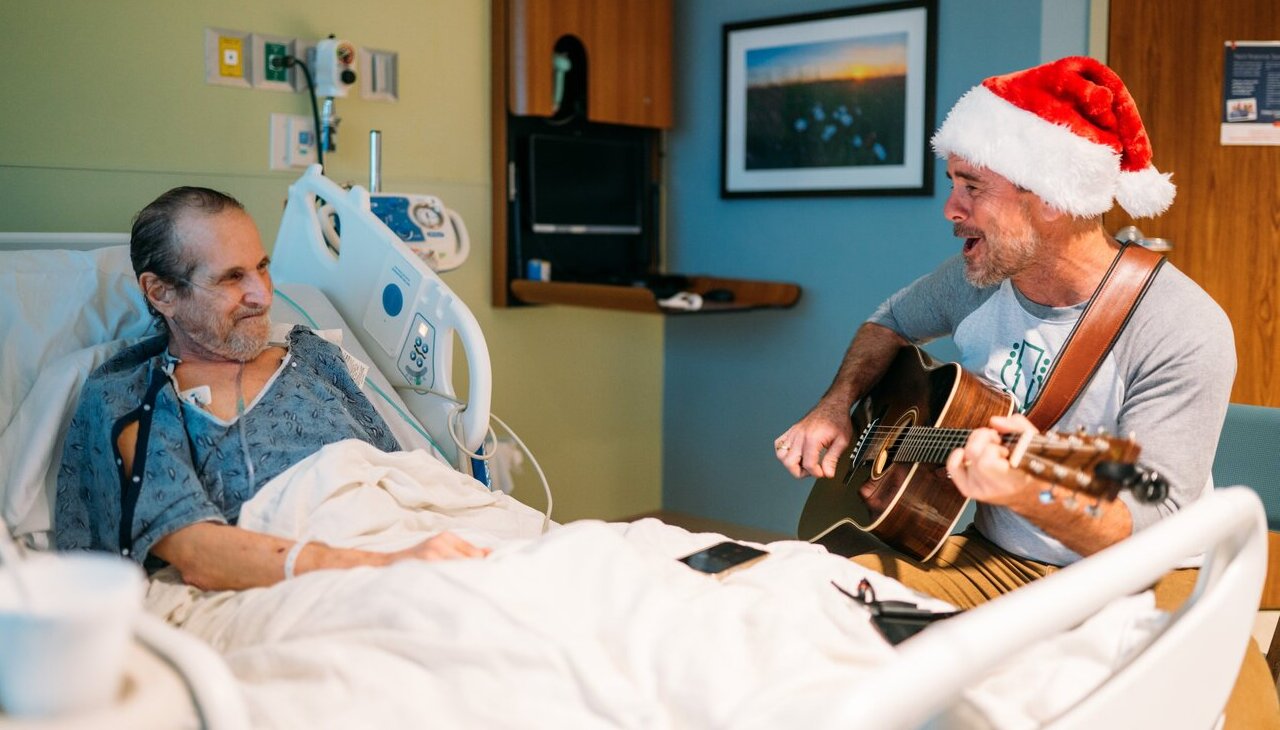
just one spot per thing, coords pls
(628, 57)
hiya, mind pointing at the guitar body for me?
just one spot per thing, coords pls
(910, 505)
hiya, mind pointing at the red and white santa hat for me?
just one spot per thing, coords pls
(1068, 131)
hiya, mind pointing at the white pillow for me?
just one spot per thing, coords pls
(61, 314)
(56, 302)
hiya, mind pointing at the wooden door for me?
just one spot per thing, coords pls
(1225, 221)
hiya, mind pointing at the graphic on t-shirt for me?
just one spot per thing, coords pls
(1024, 372)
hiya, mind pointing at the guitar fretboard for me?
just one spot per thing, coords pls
(929, 445)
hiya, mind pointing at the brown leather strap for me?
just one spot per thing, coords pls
(1099, 327)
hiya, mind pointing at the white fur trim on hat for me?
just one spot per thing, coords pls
(1067, 171)
(1145, 193)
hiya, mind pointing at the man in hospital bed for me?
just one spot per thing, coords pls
(1035, 158)
(174, 434)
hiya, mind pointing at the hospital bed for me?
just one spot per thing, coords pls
(621, 634)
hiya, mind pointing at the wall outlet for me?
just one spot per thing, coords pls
(293, 142)
(228, 57)
(266, 75)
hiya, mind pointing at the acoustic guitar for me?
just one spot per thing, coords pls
(892, 481)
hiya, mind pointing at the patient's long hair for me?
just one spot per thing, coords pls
(154, 244)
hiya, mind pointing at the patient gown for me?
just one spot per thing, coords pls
(195, 467)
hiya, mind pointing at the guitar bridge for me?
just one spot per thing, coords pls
(859, 449)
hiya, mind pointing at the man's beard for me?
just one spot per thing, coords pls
(233, 338)
(1005, 253)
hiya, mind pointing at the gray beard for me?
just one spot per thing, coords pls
(237, 345)
(244, 347)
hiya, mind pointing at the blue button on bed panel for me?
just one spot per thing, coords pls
(392, 300)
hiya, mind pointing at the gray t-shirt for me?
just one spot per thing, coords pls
(1167, 380)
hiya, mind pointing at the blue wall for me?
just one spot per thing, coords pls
(734, 382)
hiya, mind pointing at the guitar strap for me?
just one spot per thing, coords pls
(1096, 332)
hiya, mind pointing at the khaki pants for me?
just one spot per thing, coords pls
(969, 569)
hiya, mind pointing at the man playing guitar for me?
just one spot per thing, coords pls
(1035, 158)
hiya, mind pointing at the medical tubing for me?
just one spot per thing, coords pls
(244, 441)
(456, 415)
(413, 423)
(311, 89)
(546, 486)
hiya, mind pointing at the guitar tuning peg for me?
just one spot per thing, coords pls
(1036, 466)
(1046, 496)
(1059, 472)
(1083, 479)
(1102, 431)
(1070, 501)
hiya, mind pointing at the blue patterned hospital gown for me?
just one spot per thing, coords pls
(195, 468)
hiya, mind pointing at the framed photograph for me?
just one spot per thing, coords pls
(834, 103)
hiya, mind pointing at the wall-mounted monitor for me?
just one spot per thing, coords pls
(585, 186)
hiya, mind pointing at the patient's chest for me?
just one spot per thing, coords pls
(295, 412)
(224, 390)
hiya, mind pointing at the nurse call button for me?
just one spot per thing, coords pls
(392, 300)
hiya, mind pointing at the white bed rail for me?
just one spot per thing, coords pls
(393, 302)
(1182, 679)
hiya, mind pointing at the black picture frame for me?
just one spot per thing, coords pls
(831, 103)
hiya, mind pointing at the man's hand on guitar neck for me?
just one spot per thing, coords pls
(982, 472)
(814, 445)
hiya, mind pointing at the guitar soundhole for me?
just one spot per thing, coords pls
(890, 442)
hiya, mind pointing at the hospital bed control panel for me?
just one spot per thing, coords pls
(387, 314)
(415, 357)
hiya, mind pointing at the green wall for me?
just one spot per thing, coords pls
(105, 107)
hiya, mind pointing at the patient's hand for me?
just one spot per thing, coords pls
(445, 546)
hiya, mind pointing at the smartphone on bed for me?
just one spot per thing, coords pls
(723, 558)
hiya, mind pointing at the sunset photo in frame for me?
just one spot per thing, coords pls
(833, 103)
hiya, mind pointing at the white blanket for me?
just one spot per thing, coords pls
(591, 625)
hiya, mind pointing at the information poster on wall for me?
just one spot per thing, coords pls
(1251, 93)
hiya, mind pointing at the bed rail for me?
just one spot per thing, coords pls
(1181, 679)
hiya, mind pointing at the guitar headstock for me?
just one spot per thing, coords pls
(1092, 464)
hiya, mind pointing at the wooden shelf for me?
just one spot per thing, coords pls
(747, 295)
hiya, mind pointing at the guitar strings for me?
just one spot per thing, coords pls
(926, 443)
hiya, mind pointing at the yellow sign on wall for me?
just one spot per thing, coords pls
(231, 57)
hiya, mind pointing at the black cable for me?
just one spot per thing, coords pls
(288, 61)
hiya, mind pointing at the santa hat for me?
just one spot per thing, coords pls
(1068, 131)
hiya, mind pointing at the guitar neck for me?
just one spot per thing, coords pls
(931, 445)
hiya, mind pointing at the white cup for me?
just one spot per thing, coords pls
(63, 645)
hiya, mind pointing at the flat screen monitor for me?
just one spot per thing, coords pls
(589, 186)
